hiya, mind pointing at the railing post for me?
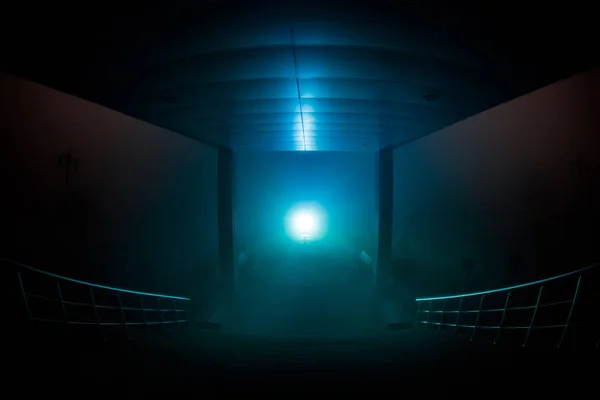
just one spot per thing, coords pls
(144, 315)
(537, 304)
(503, 317)
(428, 316)
(458, 315)
(477, 319)
(442, 315)
(123, 315)
(25, 297)
(96, 314)
(564, 332)
(64, 308)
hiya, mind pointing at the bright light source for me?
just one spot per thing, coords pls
(305, 222)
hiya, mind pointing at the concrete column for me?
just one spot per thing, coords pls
(386, 213)
(225, 187)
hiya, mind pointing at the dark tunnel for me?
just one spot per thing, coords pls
(220, 195)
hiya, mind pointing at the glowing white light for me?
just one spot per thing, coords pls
(306, 222)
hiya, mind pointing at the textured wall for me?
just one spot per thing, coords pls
(508, 195)
(141, 211)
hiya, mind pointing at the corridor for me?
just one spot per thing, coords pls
(201, 196)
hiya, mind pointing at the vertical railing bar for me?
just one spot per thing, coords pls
(503, 317)
(458, 315)
(64, 307)
(144, 315)
(62, 303)
(477, 319)
(537, 304)
(160, 313)
(123, 315)
(564, 332)
(96, 314)
(418, 311)
(442, 315)
(25, 297)
(428, 316)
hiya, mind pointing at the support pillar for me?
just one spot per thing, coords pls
(225, 182)
(386, 213)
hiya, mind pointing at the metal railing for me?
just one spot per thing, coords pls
(55, 299)
(549, 304)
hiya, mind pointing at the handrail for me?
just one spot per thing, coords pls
(471, 316)
(128, 307)
(50, 274)
(457, 296)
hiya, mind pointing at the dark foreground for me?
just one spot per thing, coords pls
(209, 363)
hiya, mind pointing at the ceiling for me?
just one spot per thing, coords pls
(308, 75)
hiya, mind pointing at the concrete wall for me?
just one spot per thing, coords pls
(509, 195)
(142, 205)
(269, 184)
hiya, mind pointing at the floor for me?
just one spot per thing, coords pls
(214, 362)
(311, 310)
